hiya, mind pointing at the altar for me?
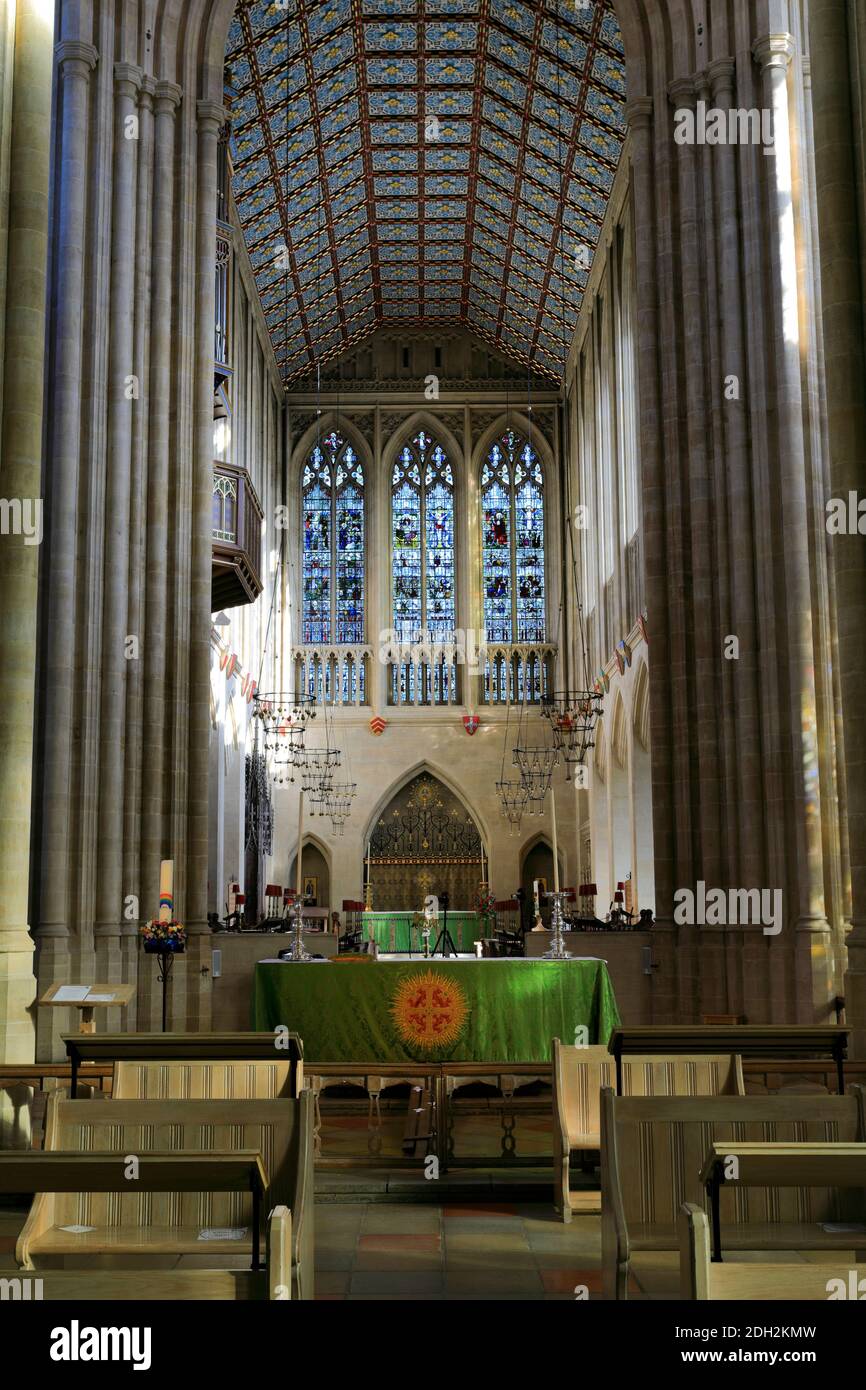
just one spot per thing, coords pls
(395, 931)
(501, 1010)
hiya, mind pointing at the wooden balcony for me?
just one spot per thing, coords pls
(237, 538)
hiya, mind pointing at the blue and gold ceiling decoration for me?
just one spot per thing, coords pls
(423, 161)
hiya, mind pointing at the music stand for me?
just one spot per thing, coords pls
(444, 940)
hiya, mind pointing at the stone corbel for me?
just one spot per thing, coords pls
(210, 114)
(639, 113)
(774, 51)
(721, 73)
(76, 57)
(167, 97)
(128, 79)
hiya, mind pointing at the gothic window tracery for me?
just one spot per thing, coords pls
(512, 507)
(333, 544)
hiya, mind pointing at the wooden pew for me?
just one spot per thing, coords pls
(652, 1155)
(579, 1073)
(187, 1047)
(701, 1279)
(202, 1080)
(776, 1040)
(137, 1227)
(176, 1285)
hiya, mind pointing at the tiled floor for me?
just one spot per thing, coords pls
(481, 1250)
(489, 1250)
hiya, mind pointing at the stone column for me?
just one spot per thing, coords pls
(76, 61)
(123, 388)
(840, 212)
(803, 849)
(210, 120)
(21, 492)
(155, 843)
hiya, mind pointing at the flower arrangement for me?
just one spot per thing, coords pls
(485, 906)
(163, 936)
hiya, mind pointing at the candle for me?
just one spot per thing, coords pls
(368, 863)
(483, 879)
(166, 890)
(555, 846)
(300, 845)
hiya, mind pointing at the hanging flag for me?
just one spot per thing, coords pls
(378, 725)
(624, 650)
(470, 723)
(644, 632)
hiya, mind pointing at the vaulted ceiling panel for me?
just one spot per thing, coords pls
(423, 161)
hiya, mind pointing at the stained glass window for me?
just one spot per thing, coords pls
(512, 511)
(333, 560)
(422, 533)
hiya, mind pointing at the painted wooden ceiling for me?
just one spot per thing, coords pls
(423, 161)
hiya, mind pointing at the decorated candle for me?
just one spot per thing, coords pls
(555, 845)
(166, 890)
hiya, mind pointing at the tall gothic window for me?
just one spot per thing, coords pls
(333, 569)
(512, 502)
(422, 531)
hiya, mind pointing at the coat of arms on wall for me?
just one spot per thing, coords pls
(471, 722)
(378, 725)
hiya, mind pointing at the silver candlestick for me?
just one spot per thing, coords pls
(297, 950)
(557, 950)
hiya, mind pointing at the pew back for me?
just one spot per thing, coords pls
(202, 1080)
(134, 1221)
(579, 1073)
(653, 1151)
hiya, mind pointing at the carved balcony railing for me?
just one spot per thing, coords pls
(334, 675)
(524, 672)
(236, 529)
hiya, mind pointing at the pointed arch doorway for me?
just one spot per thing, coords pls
(425, 841)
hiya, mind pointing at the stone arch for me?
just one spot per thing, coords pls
(332, 419)
(619, 732)
(521, 423)
(641, 707)
(450, 443)
(425, 765)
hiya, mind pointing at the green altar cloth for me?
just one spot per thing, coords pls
(504, 1010)
(393, 931)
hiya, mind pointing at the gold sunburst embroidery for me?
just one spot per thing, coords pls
(429, 1010)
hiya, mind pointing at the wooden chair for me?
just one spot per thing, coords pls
(579, 1073)
(702, 1280)
(202, 1080)
(136, 1228)
(653, 1151)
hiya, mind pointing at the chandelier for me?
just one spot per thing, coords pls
(572, 716)
(284, 720)
(536, 766)
(514, 798)
(338, 803)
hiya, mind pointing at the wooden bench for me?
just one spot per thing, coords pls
(178, 1285)
(777, 1041)
(652, 1156)
(142, 1228)
(579, 1073)
(202, 1080)
(187, 1047)
(242, 1171)
(701, 1279)
(752, 1164)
